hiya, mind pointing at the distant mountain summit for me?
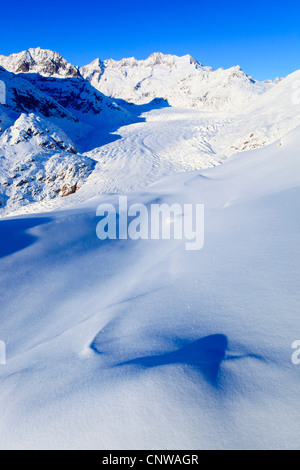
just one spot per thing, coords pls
(42, 61)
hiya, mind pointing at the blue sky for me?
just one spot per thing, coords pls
(263, 37)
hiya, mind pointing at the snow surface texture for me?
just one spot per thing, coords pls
(125, 344)
(142, 344)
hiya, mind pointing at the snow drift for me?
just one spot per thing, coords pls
(123, 344)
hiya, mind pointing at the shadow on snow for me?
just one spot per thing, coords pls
(13, 234)
(205, 355)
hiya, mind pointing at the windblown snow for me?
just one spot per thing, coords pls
(142, 344)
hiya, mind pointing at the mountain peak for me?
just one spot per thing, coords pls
(164, 57)
(37, 60)
(158, 58)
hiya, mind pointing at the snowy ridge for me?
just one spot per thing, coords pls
(269, 118)
(182, 81)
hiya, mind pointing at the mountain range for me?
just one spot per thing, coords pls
(182, 81)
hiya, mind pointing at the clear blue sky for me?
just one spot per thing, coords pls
(263, 37)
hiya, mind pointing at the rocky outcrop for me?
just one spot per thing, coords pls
(38, 162)
(38, 132)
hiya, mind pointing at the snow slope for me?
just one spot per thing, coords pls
(124, 344)
(97, 114)
(270, 117)
(72, 103)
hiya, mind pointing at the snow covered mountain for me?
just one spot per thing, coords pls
(42, 61)
(68, 99)
(82, 100)
(176, 140)
(182, 81)
(23, 97)
(43, 115)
